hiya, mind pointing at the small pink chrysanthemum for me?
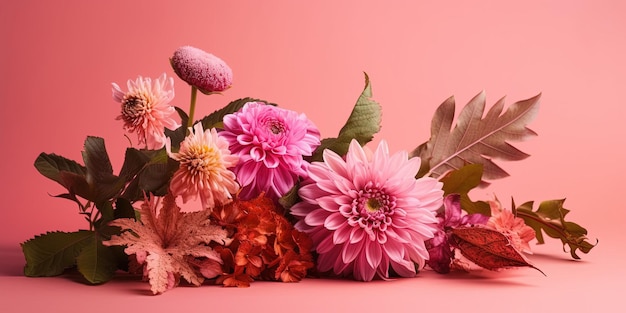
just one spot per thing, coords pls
(146, 109)
(201, 69)
(514, 228)
(204, 161)
(270, 143)
(368, 213)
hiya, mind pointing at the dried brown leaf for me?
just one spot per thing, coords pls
(474, 139)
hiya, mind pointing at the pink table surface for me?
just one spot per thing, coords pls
(58, 59)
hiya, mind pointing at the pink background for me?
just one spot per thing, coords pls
(58, 58)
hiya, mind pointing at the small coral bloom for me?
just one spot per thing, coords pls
(146, 109)
(204, 161)
(201, 69)
(270, 143)
(368, 213)
(514, 228)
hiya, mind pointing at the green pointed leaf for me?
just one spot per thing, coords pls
(67, 173)
(96, 262)
(461, 182)
(100, 176)
(215, 119)
(51, 165)
(134, 161)
(177, 136)
(51, 253)
(96, 160)
(290, 198)
(362, 125)
(123, 209)
(153, 177)
(474, 139)
(550, 218)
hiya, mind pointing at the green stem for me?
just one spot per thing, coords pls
(192, 106)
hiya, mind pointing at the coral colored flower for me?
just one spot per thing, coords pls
(204, 161)
(201, 69)
(270, 143)
(146, 109)
(368, 213)
(514, 228)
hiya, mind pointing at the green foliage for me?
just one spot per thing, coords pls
(215, 119)
(362, 125)
(550, 218)
(51, 253)
(96, 262)
(461, 182)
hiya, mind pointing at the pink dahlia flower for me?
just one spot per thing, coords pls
(146, 109)
(270, 143)
(368, 213)
(201, 69)
(513, 227)
(204, 161)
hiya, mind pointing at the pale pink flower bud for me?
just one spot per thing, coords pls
(201, 69)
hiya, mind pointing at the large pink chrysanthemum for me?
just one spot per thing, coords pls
(368, 213)
(270, 143)
(204, 161)
(146, 109)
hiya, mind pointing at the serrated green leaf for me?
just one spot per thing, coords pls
(550, 218)
(474, 139)
(461, 182)
(362, 125)
(51, 253)
(96, 262)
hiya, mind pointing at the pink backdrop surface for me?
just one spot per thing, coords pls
(58, 59)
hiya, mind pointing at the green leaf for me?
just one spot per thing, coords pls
(67, 173)
(550, 218)
(362, 125)
(474, 139)
(153, 177)
(100, 176)
(290, 198)
(96, 262)
(177, 135)
(215, 119)
(123, 209)
(99, 168)
(134, 161)
(461, 182)
(51, 253)
(51, 165)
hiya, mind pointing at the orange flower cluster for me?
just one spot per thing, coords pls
(265, 245)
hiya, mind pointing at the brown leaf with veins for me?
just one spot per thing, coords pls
(487, 248)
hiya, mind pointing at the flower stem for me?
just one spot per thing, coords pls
(192, 106)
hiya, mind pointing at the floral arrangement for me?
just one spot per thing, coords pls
(263, 197)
